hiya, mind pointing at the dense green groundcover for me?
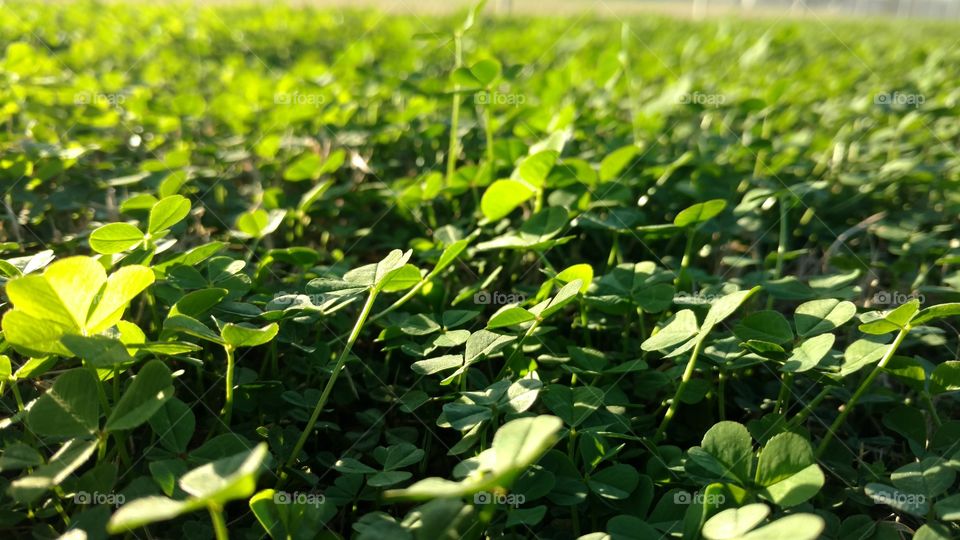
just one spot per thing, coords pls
(318, 274)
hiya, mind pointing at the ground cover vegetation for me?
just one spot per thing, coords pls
(294, 273)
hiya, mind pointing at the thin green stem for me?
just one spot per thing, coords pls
(354, 334)
(784, 237)
(454, 147)
(783, 398)
(681, 279)
(228, 396)
(809, 407)
(219, 523)
(519, 347)
(488, 128)
(684, 381)
(781, 242)
(932, 408)
(861, 390)
(722, 394)
(16, 395)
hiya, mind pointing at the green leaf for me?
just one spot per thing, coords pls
(699, 213)
(911, 503)
(197, 303)
(794, 526)
(566, 294)
(166, 213)
(226, 479)
(934, 313)
(819, 316)
(615, 162)
(174, 424)
(18, 456)
(98, 351)
(70, 457)
(934, 531)
(509, 317)
(681, 328)
(241, 335)
(215, 483)
(892, 321)
(438, 364)
(147, 510)
(788, 471)
(401, 279)
(486, 71)
(306, 167)
(183, 324)
(572, 405)
(730, 445)
(931, 477)
(150, 389)
(115, 238)
(286, 516)
(723, 307)
(948, 508)
(583, 272)
(533, 170)
(733, 523)
(945, 377)
(616, 482)
(502, 197)
(70, 408)
(259, 223)
(516, 445)
(862, 353)
(809, 354)
(768, 326)
(449, 255)
(484, 343)
(122, 286)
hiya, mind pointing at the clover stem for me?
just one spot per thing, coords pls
(488, 128)
(16, 395)
(933, 409)
(519, 348)
(784, 237)
(228, 395)
(403, 299)
(808, 408)
(675, 402)
(571, 453)
(453, 148)
(680, 280)
(781, 243)
(862, 389)
(784, 396)
(585, 324)
(722, 394)
(219, 524)
(354, 334)
(614, 251)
